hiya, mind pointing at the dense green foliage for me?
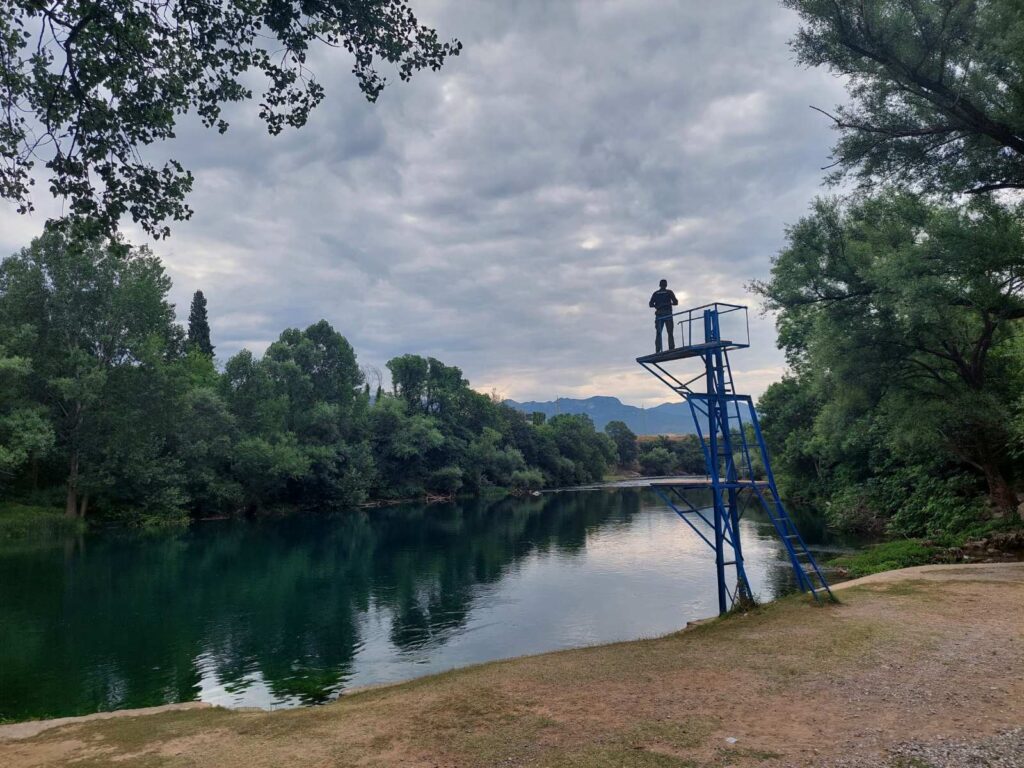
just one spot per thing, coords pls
(86, 85)
(672, 456)
(625, 442)
(110, 406)
(900, 319)
(937, 88)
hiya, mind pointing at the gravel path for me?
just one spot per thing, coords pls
(1004, 750)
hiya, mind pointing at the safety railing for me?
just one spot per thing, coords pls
(733, 324)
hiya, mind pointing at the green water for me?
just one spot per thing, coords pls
(288, 612)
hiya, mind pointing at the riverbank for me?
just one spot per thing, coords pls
(922, 656)
(25, 522)
(997, 541)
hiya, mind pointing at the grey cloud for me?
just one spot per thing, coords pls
(512, 213)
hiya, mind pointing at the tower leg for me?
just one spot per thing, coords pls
(723, 592)
(743, 593)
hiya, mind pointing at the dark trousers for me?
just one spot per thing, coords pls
(666, 323)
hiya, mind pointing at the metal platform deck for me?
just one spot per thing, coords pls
(692, 350)
(697, 483)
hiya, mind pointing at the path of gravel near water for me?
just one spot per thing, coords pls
(1004, 750)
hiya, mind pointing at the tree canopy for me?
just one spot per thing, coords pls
(900, 318)
(937, 89)
(85, 86)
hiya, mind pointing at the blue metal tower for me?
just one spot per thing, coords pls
(735, 454)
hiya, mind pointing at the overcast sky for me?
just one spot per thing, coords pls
(512, 213)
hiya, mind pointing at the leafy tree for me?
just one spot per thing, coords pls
(690, 455)
(524, 480)
(788, 410)
(447, 479)
(205, 439)
(264, 467)
(131, 466)
(588, 452)
(315, 365)
(199, 325)
(489, 462)
(895, 314)
(625, 441)
(25, 431)
(409, 379)
(89, 314)
(87, 85)
(657, 461)
(937, 88)
(303, 402)
(402, 442)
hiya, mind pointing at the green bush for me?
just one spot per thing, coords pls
(22, 521)
(889, 556)
(445, 480)
(527, 480)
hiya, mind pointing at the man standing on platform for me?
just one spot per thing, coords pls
(663, 300)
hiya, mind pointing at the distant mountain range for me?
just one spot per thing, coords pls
(664, 419)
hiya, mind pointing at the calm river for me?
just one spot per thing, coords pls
(287, 612)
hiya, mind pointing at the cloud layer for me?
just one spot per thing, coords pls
(512, 213)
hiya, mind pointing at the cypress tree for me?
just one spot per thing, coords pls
(199, 325)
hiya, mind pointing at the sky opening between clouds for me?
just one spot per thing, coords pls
(512, 213)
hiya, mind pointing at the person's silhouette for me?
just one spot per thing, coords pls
(663, 300)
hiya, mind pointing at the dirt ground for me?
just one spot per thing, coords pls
(923, 656)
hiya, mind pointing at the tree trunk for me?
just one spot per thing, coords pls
(71, 502)
(84, 506)
(1000, 492)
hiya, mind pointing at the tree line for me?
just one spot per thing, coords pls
(109, 405)
(899, 305)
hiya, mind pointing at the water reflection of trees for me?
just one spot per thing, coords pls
(126, 623)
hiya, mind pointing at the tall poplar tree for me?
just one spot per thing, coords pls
(199, 325)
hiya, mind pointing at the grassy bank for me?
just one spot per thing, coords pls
(888, 556)
(994, 540)
(24, 521)
(788, 684)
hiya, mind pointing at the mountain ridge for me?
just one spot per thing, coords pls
(663, 419)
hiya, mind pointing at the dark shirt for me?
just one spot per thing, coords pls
(663, 300)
